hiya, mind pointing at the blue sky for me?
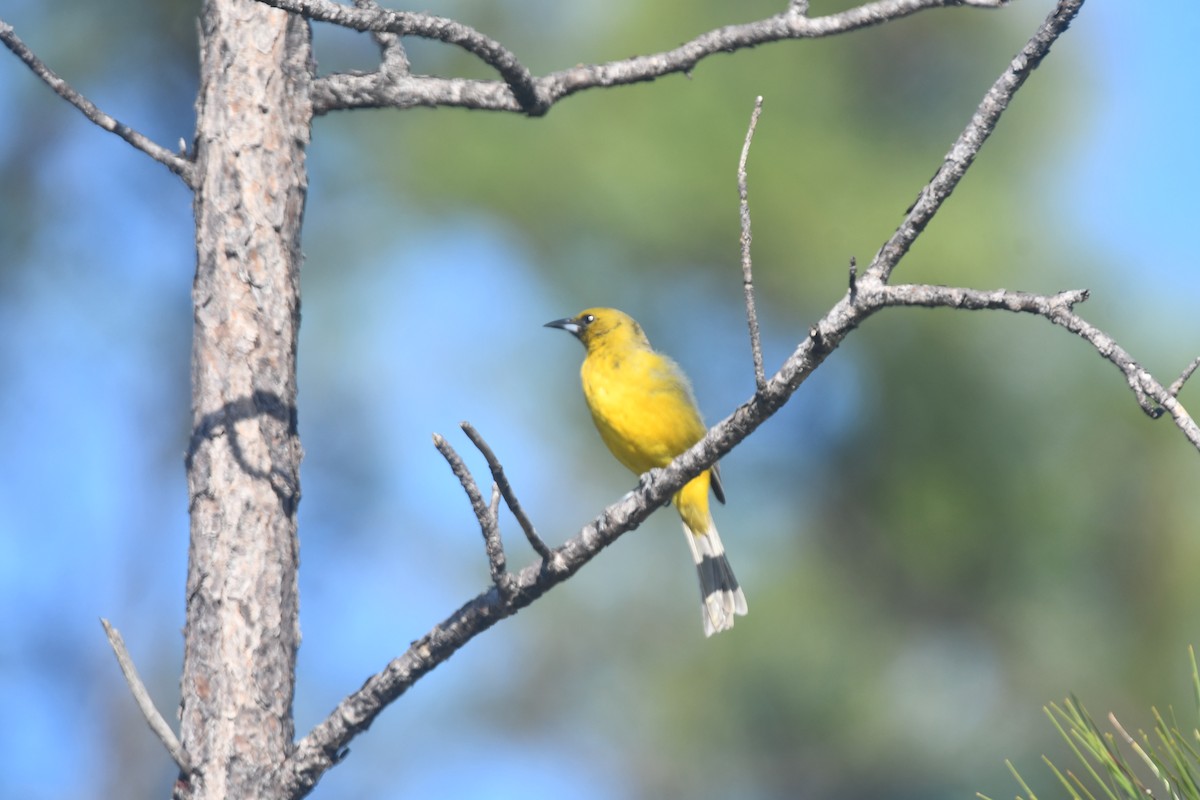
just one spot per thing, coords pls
(92, 498)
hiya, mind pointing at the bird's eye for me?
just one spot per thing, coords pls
(588, 319)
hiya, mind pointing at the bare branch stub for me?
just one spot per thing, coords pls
(142, 697)
(506, 491)
(488, 524)
(760, 378)
(427, 26)
(391, 46)
(1177, 386)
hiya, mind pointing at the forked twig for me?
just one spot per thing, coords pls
(506, 490)
(488, 524)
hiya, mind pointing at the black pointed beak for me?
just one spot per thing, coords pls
(568, 324)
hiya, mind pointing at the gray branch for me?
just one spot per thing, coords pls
(962, 153)
(322, 747)
(180, 165)
(746, 240)
(867, 294)
(517, 80)
(506, 491)
(142, 697)
(1152, 397)
(486, 514)
(1177, 387)
(391, 47)
(521, 92)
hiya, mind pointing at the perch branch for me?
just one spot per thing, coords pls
(142, 697)
(523, 93)
(488, 525)
(318, 750)
(760, 377)
(322, 747)
(506, 490)
(962, 153)
(181, 166)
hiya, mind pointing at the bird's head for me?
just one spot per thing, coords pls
(602, 326)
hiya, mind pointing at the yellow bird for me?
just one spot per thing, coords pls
(643, 406)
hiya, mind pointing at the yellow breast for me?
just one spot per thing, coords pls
(642, 405)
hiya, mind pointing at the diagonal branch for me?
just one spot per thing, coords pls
(522, 93)
(962, 154)
(142, 697)
(1152, 397)
(1177, 387)
(867, 294)
(321, 748)
(181, 166)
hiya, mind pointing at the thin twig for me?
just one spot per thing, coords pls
(142, 697)
(977, 131)
(760, 377)
(181, 166)
(506, 490)
(488, 524)
(1151, 396)
(1177, 387)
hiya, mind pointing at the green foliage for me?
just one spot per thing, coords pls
(1115, 765)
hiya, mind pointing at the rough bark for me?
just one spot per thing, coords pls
(243, 463)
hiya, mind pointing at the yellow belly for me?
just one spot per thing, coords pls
(644, 411)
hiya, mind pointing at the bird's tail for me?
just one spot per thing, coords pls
(720, 595)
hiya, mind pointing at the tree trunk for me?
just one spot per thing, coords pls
(243, 465)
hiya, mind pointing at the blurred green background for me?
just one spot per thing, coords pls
(959, 518)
